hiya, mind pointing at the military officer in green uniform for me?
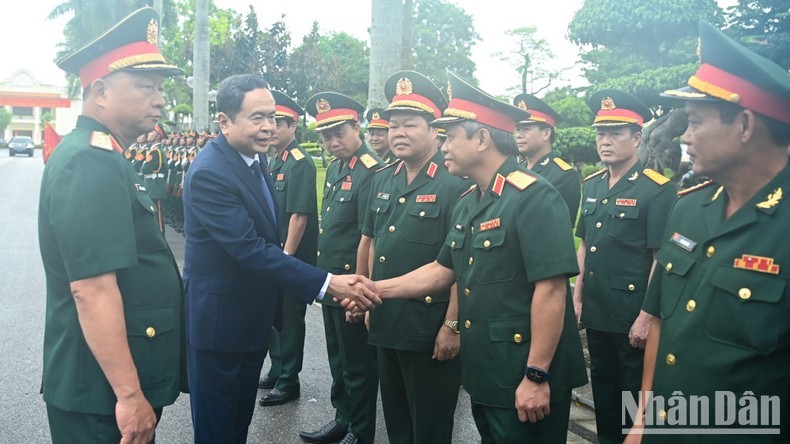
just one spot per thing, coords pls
(153, 170)
(411, 202)
(345, 203)
(376, 135)
(294, 174)
(113, 333)
(720, 293)
(534, 139)
(624, 212)
(520, 351)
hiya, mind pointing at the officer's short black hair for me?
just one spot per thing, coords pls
(287, 120)
(544, 126)
(778, 131)
(504, 141)
(231, 91)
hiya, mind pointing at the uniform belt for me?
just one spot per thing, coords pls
(154, 176)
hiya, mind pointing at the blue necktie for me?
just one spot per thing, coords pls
(256, 170)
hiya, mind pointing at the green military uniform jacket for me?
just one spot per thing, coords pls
(94, 218)
(389, 158)
(294, 175)
(722, 291)
(153, 170)
(409, 224)
(621, 227)
(343, 212)
(498, 252)
(564, 178)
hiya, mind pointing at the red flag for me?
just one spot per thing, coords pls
(51, 140)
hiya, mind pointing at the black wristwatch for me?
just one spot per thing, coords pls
(536, 375)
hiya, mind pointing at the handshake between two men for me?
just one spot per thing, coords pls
(356, 293)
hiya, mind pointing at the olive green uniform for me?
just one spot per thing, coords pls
(294, 175)
(389, 158)
(95, 217)
(408, 223)
(498, 252)
(564, 178)
(351, 360)
(621, 227)
(721, 290)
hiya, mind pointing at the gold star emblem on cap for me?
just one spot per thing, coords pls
(322, 106)
(403, 87)
(607, 103)
(376, 116)
(522, 105)
(152, 32)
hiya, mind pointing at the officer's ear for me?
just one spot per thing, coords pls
(224, 122)
(483, 139)
(746, 121)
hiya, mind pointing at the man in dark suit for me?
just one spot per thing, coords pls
(235, 270)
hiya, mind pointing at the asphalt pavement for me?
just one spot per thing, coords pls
(22, 306)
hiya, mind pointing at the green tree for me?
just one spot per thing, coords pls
(577, 145)
(764, 27)
(573, 108)
(274, 56)
(532, 58)
(5, 120)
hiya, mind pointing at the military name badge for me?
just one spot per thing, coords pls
(281, 176)
(591, 200)
(383, 196)
(426, 198)
(625, 202)
(346, 186)
(139, 188)
(490, 224)
(683, 242)
(756, 263)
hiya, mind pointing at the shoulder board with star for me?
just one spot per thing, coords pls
(655, 176)
(389, 165)
(520, 180)
(695, 188)
(564, 166)
(368, 161)
(102, 140)
(597, 173)
(296, 154)
(472, 188)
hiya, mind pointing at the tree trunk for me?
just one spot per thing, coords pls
(386, 46)
(200, 72)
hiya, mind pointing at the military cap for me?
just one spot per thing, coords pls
(412, 91)
(470, 103)
(286, 107)
(732, 73)
(540, 112)
(618, 108)
(375, 119)
(131, 45)
(331, 109)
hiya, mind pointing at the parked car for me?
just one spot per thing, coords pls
(20, 144)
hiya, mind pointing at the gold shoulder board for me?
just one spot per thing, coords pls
(655, 176)
(101, 140)
(368, 161)
(520, 180)
(564, 166)
(297, 154)
(601, 171)
(472, 188)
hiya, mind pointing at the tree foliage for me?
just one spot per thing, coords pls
(573, 108)
(764, 27)
(532, 59)
(577, 144)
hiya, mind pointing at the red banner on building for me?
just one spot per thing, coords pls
(51, 140)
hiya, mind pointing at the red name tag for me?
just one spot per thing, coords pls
(625, 202)
(281, 176)
(345, 186)
(489, 224)
(426, 198)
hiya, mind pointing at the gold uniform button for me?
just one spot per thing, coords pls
(150, 332)
(378, 210)
(622, 215)
(328, 208)
(347, 267)
(744, 293)
(517, 338)
(382, 259)
(152, 209)
(318, 253)
(631, 287)
(473, 229)
(487, 243)
(422, 213)
(428, 299)
(669, 266)
(402, 200)
(467, 291)
(671, 359)
(471, 260)
(691, 305)
(320, 231)
(452, 244)
(392, 228)
(468, 324)
(605, 201)
(593, 249)
(591, 274)
(598, 225)
(709, 252)
(342, 199)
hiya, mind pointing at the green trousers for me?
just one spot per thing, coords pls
(85, 428)
(286, 347)
(501, 426)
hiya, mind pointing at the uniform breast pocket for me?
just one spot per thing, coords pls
(588, 208)
(675, 264)
(455, 241)
(423, 225)
(490, 260)
(154, 344)
(279, 185)
(741, 300)
(624, 224)
(342, 207)
(146, 224)
(381, 211)
(509, 339)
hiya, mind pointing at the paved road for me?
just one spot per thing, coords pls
(22, 413)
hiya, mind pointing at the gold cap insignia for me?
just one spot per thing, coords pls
(607, 103)
(403, 87)
(322, 106)
(152, 32)
(376, 116)
(522, 105)
(449, 91)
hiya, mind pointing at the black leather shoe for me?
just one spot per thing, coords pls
(350, 439)
(266, 383)
(277, 397)
(332, 432)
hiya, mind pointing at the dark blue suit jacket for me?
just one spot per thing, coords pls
(235, 270)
